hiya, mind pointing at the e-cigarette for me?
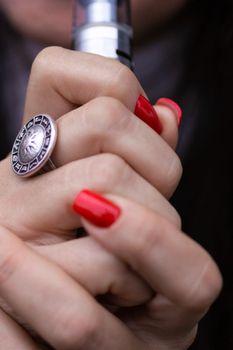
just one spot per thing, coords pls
(103, 27)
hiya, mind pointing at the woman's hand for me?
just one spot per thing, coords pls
(101, 145)
(184, 278)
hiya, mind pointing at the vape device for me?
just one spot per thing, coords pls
(103, 27)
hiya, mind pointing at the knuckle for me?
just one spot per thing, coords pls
(206, 289)
(104, 104)
(72, 332)
(175, 218)
(124, 74)
(41, 63)
(123, 85)
(147, 242)
(173, 175)
(8, 265)
(107, 113)
(67, 178)
(152, 239)
(106, 171)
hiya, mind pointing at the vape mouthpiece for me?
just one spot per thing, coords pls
(103, 27)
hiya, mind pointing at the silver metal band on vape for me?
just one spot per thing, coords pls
(103, 27)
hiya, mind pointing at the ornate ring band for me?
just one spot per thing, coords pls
(33, 146)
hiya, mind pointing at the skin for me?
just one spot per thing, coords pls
(29, 18)
(38, 247)
(171, 280)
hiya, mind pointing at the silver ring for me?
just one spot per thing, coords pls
(33, 146)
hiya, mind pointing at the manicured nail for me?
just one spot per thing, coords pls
(96, 209)
(173, 105)
(145, 111)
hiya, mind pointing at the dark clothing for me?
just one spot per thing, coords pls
(16, 56)
(192, 64)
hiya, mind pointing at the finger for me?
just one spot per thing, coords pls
(106, 126)
(170, 115)
(56, 307)
(85, 261)
(12, 336)
(55, 191)
(164, 323)
(173, 265)
(62, 79)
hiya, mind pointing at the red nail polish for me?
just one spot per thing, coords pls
(96, 209)
(173, 105)
(145, 111)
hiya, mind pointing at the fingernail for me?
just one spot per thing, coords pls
(173, 105)
(145, 111)
(96, 209)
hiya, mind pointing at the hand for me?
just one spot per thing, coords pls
(45, 221)
(183, 276)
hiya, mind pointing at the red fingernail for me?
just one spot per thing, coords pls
(173, 105)
(145, 111)
(96, 209)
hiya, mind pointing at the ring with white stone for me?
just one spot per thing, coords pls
(33, 146)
